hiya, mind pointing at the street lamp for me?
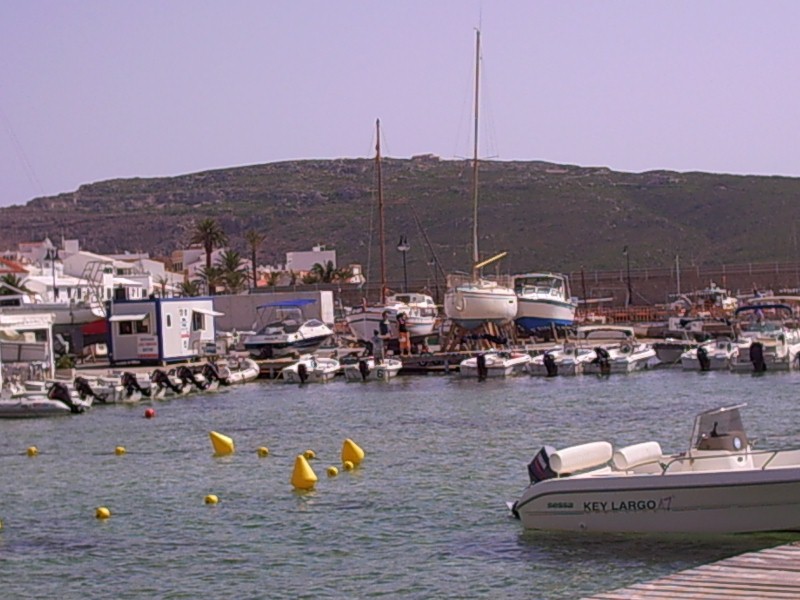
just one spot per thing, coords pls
(403, 247)
(52, 256)
(628, 268)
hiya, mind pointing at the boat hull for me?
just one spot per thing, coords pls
(535, 314)
(765, 500)
(471, 306)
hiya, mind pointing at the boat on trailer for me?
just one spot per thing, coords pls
(721, 484)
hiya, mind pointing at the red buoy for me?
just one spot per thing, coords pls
(149, 413)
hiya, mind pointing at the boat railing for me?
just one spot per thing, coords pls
(770, 454)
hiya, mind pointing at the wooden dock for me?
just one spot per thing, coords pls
(770, 573)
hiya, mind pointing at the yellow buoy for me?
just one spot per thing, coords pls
(211, 499)
(352, 452)
(303, 476)
(263, 451)
(33, 451)
(102, 513)
(119, 450)
(310, 454)
(348, 466)
(333, 471)
(223, 445)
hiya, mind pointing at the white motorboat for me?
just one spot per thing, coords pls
(311, 369)
(472, 301)
(543, 300)
(567, 359)
(286, 331)
(168, 384)
(721, 484)
(58, 400)
(419, 309)
(769, 339)
(494, 364)
(714, 355)
(365, 369)
(239, 371)
(616, 349)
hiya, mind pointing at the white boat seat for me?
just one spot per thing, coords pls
(638, 454)
(578, 458)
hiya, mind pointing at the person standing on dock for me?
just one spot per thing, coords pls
(405, 340)
(377, 347)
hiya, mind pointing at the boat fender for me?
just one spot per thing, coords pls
(583, 456)
(638, 454)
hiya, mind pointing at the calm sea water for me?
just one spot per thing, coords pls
(423, 517)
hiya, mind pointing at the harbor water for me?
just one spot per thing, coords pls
(424, 516)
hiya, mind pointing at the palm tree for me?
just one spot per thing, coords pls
(162, 282)
(12, 285)
(273, 278)
(211, 277)
(254, 239)
(189, 288)
(232, 271)
(210, 235)
(322, 273)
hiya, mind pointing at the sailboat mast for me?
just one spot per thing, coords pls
(475, 254)
(381, 232)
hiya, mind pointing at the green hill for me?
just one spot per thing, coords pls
(546, 216)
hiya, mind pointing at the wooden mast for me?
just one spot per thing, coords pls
(381, 232)
(475, 253)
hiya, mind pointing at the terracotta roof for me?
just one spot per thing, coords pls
(9, 266)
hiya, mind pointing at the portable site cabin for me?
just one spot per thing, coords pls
(161, 330)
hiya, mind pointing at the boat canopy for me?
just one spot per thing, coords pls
(288, 303)
(755, 307)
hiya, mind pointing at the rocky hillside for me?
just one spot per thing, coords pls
(546, 216)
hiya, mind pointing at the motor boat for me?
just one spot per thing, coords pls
(769, 339)
(566, 359)
(366, 369)
(616, 349)
(721, 484)
(419, 310)
(239, 371)
(473, 303)
(168, 384)
(543, 301)
(311, 369)
(286, 331)
(714, 355)
(58, 400)
(494, 364)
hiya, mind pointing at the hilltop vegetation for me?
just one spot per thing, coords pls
(547, 216)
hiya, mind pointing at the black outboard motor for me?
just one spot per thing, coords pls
(550, 364)
(702, 358)
(539, 468)
(602, 359)
(302, 372)
(363, 368)
(162, 380)
(483, 371)
(59, 391)
(757, 357)
(131, 384)
(211, 373)
(84, 389)
(186, 375)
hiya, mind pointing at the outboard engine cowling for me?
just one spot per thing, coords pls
(550, 364)
(211, 373)
(702, 358)
(59, 391)
(85, 390)
(483, 371)
(162, 380)
(131, 384)
(602, 359)
(539, 468)
(363, 368)
(302, 372)
(757, 357)
(186, 375)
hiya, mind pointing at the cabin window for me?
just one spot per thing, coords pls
(169, 321)
(126, 327)
(198, 321)
(143, 326)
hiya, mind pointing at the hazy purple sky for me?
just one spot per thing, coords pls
(99, 89)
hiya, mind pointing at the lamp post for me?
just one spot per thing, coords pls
(52, 255)
(403, 247)
(628, 272)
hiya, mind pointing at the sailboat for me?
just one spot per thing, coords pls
(419, 309)
(471, 302)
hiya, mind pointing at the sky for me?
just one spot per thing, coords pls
(92, 90)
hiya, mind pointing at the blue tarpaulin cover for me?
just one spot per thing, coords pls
(289, 303)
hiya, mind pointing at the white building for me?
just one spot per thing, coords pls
(302, 262)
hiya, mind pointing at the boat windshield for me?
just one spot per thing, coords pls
(717, 423)
(537, 285)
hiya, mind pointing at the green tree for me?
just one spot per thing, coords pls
(327, 273)
(232, 271)
(11, 280)
(211, 277)
(273, 278)
(162, 283)
(254, 240)
(210, 235)
(189, 288)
